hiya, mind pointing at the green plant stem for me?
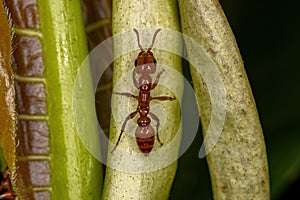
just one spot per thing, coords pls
(238, 162)
(75, 173)
(149, 184)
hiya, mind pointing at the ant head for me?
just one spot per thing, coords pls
(145, 62)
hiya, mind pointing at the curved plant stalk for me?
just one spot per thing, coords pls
(52, 161)
(153, 183)
(76, 175)
(238, 162)
(7, 102)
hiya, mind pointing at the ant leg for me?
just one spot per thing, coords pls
(130, 116)
(126, 94)
(154, 117)
(157, 79)
(163, 98)
(135, 82)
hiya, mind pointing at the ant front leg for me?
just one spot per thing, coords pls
(130, 116)
(126, 94)
(157, 79)
(135, 82)
(154, 117)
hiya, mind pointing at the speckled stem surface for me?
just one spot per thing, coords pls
(147, 185)
(238, 162)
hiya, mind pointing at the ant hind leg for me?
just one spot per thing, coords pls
(130, 116)
(154, 117)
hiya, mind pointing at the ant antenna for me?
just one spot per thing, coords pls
(153, 40)
(154, 36)
(138, 39)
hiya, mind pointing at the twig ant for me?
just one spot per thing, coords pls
(145, 64)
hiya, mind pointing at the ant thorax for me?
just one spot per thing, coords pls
(145, 81)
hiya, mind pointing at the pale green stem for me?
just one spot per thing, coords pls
(75, 173)
(238, 161)
(146, 180)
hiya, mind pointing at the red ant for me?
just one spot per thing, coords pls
(6, 188)
(145, 64)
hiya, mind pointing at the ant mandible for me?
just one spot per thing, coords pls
(145, 64)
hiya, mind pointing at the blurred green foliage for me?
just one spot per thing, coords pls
(267, 33)
(3, 164)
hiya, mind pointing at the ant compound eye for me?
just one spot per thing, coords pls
(155, 62)
(135, 62)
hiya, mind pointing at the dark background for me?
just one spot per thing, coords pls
(267, 33)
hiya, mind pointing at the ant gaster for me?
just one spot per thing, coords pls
(145, 64)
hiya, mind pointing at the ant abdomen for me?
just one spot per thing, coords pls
(145, 138)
